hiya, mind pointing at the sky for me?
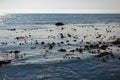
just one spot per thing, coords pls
(59, 6)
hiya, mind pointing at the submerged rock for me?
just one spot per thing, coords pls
(104, 59)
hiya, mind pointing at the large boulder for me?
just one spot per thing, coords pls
(59, 24)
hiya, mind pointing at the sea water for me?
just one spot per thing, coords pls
(28, 20)
(87, 69)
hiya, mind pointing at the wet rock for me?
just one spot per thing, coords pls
(21, 43)
(116, 42)
(16, 51)
(61, 36)
(69, 35)
(59, 24)
(51, 45)
(21, 37)
(5, 61)
(98, 36)
(4, 43)
(62, 50)
(103, 54)
(12, 29)
(72, 50)
(103, 47)
(62, 28)
(42, 43)
(79, 50)
(62, 42)
(75, 40)
(67, 41)
(91, 46)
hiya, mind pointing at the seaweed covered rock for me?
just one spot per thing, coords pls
(103, 47)
(116, 42)
(103, 54)
(5, 61)
(59, 24)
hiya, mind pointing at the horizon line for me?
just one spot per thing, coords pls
(57, 13)
(26, 11)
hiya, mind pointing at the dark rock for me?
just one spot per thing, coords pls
(62, 42)
(75, 40)
(12, 29)
(77, 57)
(79, 50)
(69, 35)
(67, 41)
(5, 61)
(62, 50)
(116, 41)
(61, 35)
(42, 43)
(92, 46)
(72, 50)
(59, 24)
(15, 51)
(103, 47)
(21, 37)
(98, 36)
(62, 28)
(87, 42)
(103, 54)
(51, 46)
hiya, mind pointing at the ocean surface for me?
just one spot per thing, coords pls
(86, 69)
(34, 20)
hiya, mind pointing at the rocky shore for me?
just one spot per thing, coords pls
(60, 42)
